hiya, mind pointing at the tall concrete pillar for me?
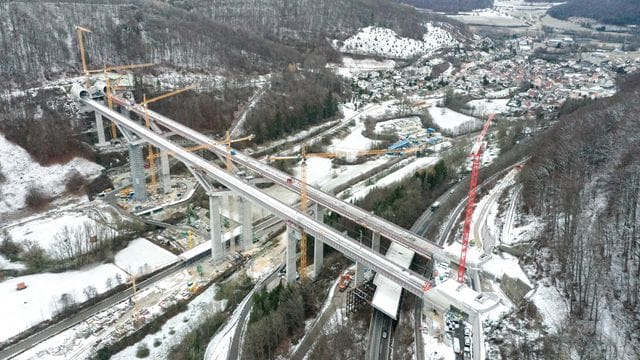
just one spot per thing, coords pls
(136, 164)
(166, 175)
(216, 229)
(318, 245)
(247, 226)
(359, 273)
(375, 242)
(292, 241)
(100, 127)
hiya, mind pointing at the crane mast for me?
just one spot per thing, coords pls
(471, 199)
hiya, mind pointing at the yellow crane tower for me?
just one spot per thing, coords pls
(145, 102)
(79, 33)
(304, 199)
(107, 81)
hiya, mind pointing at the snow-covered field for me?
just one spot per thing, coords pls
(351, 66)
(407, 168)
(21, 173)
(46, 230)
(40, 300)
(142, 256)
(380, 41)
(452, 121)
(486, 106)
(489, 17)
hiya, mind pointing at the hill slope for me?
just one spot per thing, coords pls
(243, 36)
(583, 180)
(449, 5)
(615, 12)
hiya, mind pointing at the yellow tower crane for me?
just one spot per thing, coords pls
(145, 102)
(107, 81)
(304, 199)
(79, 33)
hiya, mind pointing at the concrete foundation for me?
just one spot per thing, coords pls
(138, 178)
(217, 251)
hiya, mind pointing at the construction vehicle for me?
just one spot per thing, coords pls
(476, 153)
(344, 282)
(304, 199)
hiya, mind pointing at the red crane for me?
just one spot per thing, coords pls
(471, 199)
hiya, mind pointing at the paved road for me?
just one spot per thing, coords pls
(244, 312)
(379, 336)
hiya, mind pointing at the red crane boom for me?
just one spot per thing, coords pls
(471, 199)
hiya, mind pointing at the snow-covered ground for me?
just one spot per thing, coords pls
(9, 265)
(452, 121)
(142, 256)
(21, 173)
(551, 305)
(380, 41)
(44, 231)
(174, 330)
(350, 66)
(407, 168)
(486, 106)
(40, 300)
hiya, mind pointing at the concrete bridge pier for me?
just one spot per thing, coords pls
(136, 164)
(165, 174)
(318, 245)
(292, 253)
(100, 127)
(217, 252)
(247, 225)
(375, 242)
(359, 273)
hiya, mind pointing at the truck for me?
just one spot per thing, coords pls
(344, 282)
(435, 206)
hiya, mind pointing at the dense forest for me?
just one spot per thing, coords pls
(450, 6)
(295, 101)
(615, 12)
(583, 180)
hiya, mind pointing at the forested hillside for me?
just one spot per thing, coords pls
(450, 6)
(246, 36)
(615, 12)
(583, 180)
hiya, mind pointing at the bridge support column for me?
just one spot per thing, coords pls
(247, 226)
(165, 172)
(375, 242)
(292, 241)
(318, 245)
(359, 273)
(100, 127)
(138, 178)
(216, 229)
